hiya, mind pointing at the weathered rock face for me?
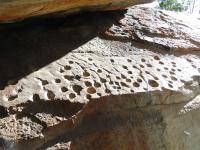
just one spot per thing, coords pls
(19, 9)
(158, 28)
(116, 91)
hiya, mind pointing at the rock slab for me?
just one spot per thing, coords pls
(19, 9)
(116, 91)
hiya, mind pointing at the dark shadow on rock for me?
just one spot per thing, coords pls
(3, 112)
(60, 108)
(57, 108)
(29, 45)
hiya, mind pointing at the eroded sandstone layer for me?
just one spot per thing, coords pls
(19, 9)
(124, 89)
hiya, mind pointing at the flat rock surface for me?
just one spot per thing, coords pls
(120, 88)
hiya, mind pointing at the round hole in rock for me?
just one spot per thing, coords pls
(129, 72)
(143, 60)
(194, 66)
(139, 80)
(164, 76)
(111, 82)
(77, 77)
(189, 60)
(145, 89)
(183, 81)
(174, 66)
(153, 83)
(179, 70)
(44, 82)
(72, 95)
(141, 66)
(173, 63)
(88, 96)
(132, 91)
(70, 78)
(57, 80)
(134, 67)
(118, 87)
(156, 78)
(156, 58)
(170, 85)
(86, 74)
(118, 78)
(107, 91)
(149, 65)
(36, 97)
(112, 60)
(125, 67)
(173, 78)
(123, 76)
(103, 80)
(61, 70)
(158, 69)
(64, 89)
(91, 90)
(116, 83)
(20, 90)
(99, 71)
(108, 76)
(71, 62)
(160, 62)
(50, 95)
(97, 84)
(87, 83)
(128, 80)
(99, 94)
(124, 84)
(166, 68)
(170, 82)
(90, 59)
(77, 89)
(129, 60)
(135, 84)
(114, 87)
(172, 72)
(147, 72)
(68, 67)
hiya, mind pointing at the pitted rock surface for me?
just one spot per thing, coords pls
(79, 76)
(115, 93)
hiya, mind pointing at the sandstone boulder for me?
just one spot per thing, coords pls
(120, 90)
(19, 9)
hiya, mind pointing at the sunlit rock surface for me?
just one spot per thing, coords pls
(174, 32)
(12, 10)
(116, 91)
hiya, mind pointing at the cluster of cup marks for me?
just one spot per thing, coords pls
(168, 74)
(127, 81)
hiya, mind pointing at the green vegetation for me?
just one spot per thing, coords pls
(172, 5)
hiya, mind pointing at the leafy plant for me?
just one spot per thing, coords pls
(172, 5)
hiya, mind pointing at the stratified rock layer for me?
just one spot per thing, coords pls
(19, 9)
(114, 92)
(173, 32)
